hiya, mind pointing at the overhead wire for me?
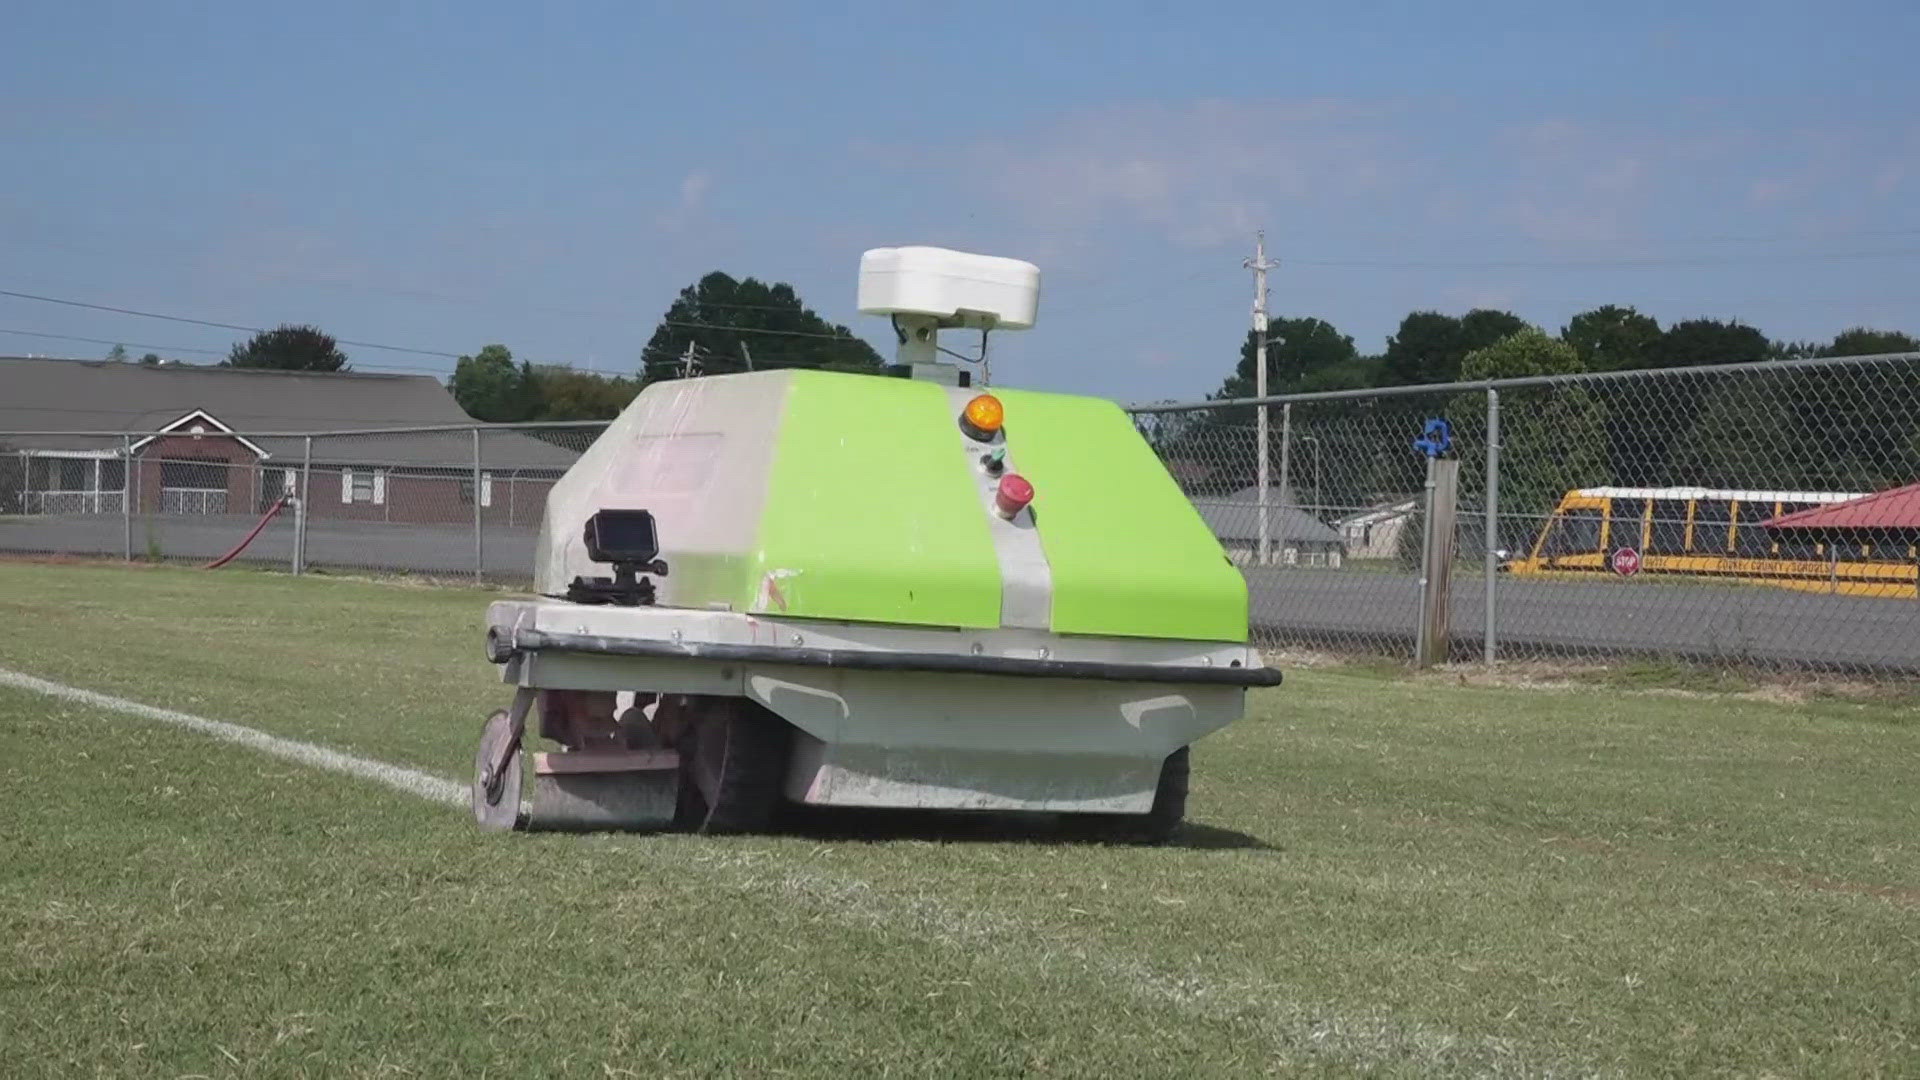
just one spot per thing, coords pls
(110, 341)
(211, 323)
(1362, 263)
(1650, 263)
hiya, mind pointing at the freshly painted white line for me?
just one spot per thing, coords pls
(1296, 1033)
(393, 776)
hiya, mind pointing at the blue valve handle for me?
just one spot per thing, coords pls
(1435, 440)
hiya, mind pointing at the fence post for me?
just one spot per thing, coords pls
(1436, 570)
(303, 509)
(1490, 638)
(479, 548)
(1260, 480)
(133, 483)
(126, 496)
(1286, 461)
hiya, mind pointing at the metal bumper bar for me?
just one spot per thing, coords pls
(503, 643)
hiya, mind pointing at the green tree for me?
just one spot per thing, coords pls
(1482, 327)
(491, 387)
(1426, 344)
(1647, 418)
(736, 325)
(1710, 341)
(117, 354)
(564, 393)
(1613, 338)
(1853, 424)
(1215, 451)
(1744, 435)
(1429, 347)
(150, 359)
(1861, 341)
(1297, 350)
(1552, 438)
(288, 348)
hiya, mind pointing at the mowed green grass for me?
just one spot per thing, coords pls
(1386, 875)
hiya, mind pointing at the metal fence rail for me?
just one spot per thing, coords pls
(1672, 552)
(453, 502)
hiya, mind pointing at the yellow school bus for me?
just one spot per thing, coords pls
(1706, 533)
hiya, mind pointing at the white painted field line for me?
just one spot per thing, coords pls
(408, 780)
(1294, 1031)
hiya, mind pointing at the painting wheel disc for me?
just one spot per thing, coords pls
(502, 812)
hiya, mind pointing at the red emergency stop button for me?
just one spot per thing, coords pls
(1012, 496)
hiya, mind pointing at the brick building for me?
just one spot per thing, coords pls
(209, 440)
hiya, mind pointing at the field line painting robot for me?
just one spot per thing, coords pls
(799, 587)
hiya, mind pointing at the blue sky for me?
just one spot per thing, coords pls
(447, 175)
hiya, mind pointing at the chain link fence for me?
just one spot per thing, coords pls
(457, 503)
(1765, 515)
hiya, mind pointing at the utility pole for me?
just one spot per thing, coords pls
(1259, 265)
(746, 353)
(689, 367)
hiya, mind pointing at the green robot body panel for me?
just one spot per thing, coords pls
(857, 498)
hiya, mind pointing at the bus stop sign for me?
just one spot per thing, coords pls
(1626, 562)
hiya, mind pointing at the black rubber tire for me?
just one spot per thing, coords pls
(1156, 826)
(744, 748)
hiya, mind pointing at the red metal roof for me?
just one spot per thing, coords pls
(1898, 508)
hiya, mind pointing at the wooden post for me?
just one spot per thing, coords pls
(1436, 561)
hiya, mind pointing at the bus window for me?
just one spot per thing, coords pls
(1710, 517)
(1797, 544)
(1624, 520)
(1575, 532)
(1750, 540)
(1669, 527)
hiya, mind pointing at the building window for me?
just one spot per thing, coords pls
(363, 486)
(486, 489)
(75, 474)
(198, 474)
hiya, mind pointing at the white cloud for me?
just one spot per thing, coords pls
(693, 196)
(1428, 180)
(1201, 173)
(1768, 191)
(693, 190)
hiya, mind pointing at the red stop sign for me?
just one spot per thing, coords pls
(1626, 562)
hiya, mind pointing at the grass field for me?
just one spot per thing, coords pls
(1386, 875)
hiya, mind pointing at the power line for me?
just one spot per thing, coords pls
(849, 336)
(357, 365)
(1597, 264)
(360, 421)
(212, 323)
(683, 324)
(107, 341)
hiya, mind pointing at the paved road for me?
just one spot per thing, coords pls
(1602, 615)
(1365, 609)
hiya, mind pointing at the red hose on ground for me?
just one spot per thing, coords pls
(242, 546)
